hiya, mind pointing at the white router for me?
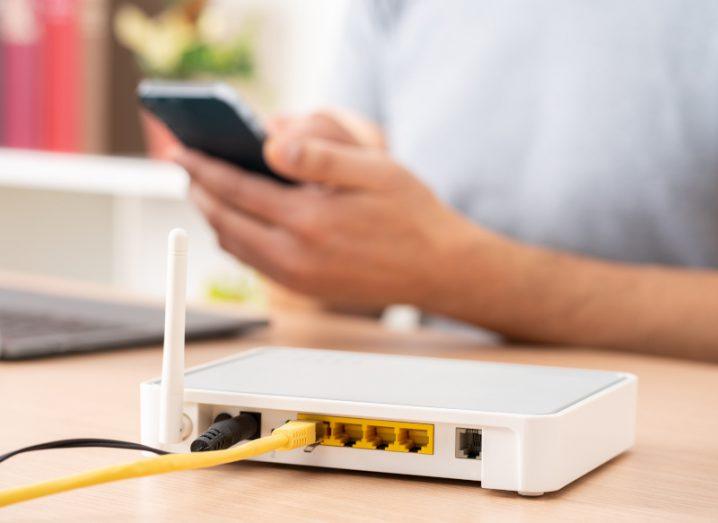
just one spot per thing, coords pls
(522, 428)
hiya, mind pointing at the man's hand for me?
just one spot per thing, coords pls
(358, 230)
(335, 125)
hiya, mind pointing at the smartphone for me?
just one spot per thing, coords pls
(211, 118)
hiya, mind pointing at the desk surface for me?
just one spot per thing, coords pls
(671, 474)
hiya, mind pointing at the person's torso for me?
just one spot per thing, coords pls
(581, 125)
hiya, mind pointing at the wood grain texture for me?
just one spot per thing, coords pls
(670, 475)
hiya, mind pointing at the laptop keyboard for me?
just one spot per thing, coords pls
(22, 324)
(36, 324)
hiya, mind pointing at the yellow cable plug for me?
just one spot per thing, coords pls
(300, 433)
(291, 435)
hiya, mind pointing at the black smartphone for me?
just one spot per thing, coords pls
(211, 118)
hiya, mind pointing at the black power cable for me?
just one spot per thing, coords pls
(227, 431)
(83, 443)
(223, 433)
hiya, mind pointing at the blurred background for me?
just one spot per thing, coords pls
(84, 193)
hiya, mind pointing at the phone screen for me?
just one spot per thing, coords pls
(210, 124)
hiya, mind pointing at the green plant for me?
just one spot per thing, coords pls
(185, 40)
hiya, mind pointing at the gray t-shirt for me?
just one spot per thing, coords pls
(581, 125)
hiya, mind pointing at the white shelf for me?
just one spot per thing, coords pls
(78, 173)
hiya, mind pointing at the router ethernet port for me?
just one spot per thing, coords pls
(372, 434)
(468, 443)
(349, 433)
(410, 440)
(383, 437)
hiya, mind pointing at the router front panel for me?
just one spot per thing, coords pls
(571, 421)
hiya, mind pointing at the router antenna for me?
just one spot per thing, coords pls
(172, 388)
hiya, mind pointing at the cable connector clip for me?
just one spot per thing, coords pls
(299, 433)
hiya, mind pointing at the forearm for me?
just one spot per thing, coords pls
(282, 299)
(544, 296)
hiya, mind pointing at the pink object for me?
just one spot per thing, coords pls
(20, 74)
(62, 78)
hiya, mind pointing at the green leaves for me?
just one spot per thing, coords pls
(220, 60)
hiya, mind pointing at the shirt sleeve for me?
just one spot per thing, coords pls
(355, 78)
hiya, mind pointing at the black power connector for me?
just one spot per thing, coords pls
(227, 431)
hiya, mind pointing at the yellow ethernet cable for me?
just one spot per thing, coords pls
(291, 435)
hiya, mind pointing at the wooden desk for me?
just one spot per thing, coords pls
(671, 474)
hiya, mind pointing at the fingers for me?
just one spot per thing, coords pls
(248, 239)
(364, 133)
(333, 164)
(268, 249)
(321, 124)
(253, 194)
(278, 124)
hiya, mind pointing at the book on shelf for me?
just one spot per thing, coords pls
(57, 75)
(95, 44)
(61, 75)
(2, 83)
(20, 49)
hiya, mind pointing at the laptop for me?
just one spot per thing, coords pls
(34, 324)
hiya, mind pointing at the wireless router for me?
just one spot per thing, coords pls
(522, 428)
